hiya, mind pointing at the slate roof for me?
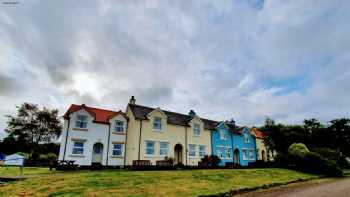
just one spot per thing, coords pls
(141, 112)
(100, 115)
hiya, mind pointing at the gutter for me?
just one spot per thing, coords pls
(186, 144)
(109, 138)
(65, 144)
(140, 139)
(126, 140)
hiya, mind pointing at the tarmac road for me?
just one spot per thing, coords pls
(319, 188)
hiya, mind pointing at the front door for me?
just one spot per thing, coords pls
(178, 154)
(97, 153)
(236, 156)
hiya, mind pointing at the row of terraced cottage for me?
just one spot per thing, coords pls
(114, 138)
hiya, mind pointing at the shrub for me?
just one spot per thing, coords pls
(314, 163)
(298, 149)
(212, 160)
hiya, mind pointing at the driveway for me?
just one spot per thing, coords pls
(318, 188)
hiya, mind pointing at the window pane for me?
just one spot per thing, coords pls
(150, 148)
(192, 150)
(163, 148)
(157, 123)
(117, 149)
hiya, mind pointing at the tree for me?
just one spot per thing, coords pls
(340, 132)
(33, 125)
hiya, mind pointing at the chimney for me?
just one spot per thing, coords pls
(132, 100)
(192, 113)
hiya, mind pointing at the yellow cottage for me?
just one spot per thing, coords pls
(154, 134)
(263, 152)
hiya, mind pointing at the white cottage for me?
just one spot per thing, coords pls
(91, 135)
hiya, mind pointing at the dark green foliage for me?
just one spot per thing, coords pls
(312, 133)
(314, 163)
(212, 160)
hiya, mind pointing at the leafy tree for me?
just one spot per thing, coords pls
(340, 131)
(33, 125)
(298, 149)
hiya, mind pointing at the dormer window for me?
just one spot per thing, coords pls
(246, 138)
(119, 126)
(81, 121)
(222, 134)
(196, 130)
(157, 124)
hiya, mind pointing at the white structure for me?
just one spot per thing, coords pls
(14, 160)
(92, 135)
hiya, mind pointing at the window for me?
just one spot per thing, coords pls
(219, 152)
(196, 129)
(201, 151)
(81, 121)
(248, 154)
(117, 149)
(78, 148)
(228, 153)
(157, 124)
(246, 138)
(149, 148)
(192, 150)
(222, 134)
(119, 126)
(163, 150)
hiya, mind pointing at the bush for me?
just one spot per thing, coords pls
(211, 161)
(315, 163)
(298, 149)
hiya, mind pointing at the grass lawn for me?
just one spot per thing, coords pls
(15, 171)
(145, 183)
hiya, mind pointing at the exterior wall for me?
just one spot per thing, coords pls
(94, 133)
(203, 139)
(222, 145)
(241, 145)
(172, 134)
(269, 154)
(132, 141)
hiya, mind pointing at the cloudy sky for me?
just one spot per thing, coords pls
(241, 59)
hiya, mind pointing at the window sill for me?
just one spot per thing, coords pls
(158, 131)
(196, 135)
(117, 157)
(118, 133)
(77, 156)
(80, 129)
(155, 156)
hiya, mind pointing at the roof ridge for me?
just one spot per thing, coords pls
(171, 112)
(98, 108)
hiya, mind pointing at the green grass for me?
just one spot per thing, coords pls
(15, 171)
(147, 183)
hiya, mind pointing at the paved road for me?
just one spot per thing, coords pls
(320, 188)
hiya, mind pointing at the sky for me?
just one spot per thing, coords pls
(241, 59)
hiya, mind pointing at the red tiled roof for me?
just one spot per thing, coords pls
(100, 115)
(258, 133)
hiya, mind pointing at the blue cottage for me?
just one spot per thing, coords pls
(222, 143)
(244, 146)
(233, 144)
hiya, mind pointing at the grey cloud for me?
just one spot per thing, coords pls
(180, 55)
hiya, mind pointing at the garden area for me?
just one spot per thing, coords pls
(42, 182)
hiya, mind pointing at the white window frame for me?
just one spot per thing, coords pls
(118, 149)
(202, 151)
(196, 129)
(191, 149)
(246, 138)
(222, 134)
(118, 127)
(79, 123)
(248, 154)
(157, 123)
(147, 148)
(78, 148)
(163, 151)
